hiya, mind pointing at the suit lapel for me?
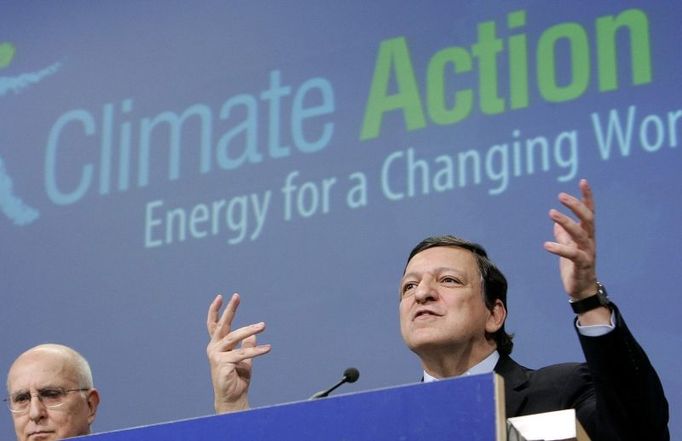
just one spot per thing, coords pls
(515, 385)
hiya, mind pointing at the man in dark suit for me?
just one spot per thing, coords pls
(452, 314)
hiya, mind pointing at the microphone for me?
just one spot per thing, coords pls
(350, 375)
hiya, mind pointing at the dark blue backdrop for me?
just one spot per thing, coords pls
(265, 94)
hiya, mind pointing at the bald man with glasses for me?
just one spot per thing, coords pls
(51, 395)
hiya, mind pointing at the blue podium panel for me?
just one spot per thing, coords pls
(459, 409)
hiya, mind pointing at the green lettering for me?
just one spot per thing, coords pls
(579, 60)
(637, 24)
(435, 86)
(393, 60)
(486, 50)
(518, 62)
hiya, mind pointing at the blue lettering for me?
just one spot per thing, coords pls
(53, 192)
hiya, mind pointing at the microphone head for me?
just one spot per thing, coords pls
(351, 375)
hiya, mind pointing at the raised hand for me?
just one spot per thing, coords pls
(230, 355)
(575, 243)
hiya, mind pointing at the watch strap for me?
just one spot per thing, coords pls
(600, 298)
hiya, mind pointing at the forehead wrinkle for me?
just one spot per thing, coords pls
(457, 250)
(439, 270)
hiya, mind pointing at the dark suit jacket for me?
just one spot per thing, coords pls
(617, 394)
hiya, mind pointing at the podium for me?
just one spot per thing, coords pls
(463, 409)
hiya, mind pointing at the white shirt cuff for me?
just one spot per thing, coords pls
(596, 330)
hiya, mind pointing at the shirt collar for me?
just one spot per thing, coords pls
(483, 367)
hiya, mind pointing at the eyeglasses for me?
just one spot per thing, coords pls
(51, 397)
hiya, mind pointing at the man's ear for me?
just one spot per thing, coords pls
(93, 402)
(497, 316)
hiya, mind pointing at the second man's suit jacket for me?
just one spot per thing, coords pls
(617, 394)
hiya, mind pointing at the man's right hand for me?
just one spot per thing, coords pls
(230, 355)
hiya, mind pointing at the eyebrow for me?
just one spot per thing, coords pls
(47, 386)
(438, 270)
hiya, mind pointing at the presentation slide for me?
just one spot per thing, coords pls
(155, 154)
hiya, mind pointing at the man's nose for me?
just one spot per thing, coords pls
(426, 290)
(36, 408)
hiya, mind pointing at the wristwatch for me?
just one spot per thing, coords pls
(600, 298)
